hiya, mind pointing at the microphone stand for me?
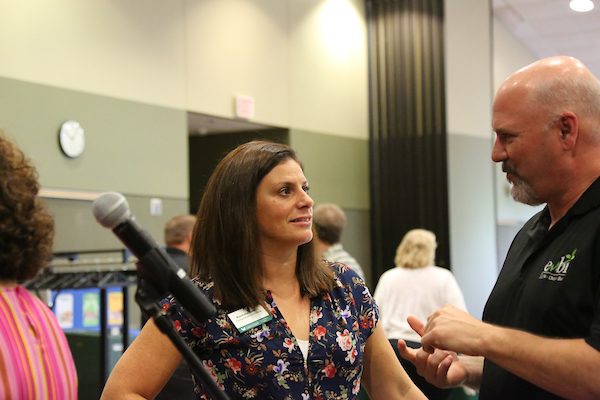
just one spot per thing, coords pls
(148, 297)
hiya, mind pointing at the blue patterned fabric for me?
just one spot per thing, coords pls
(265, 362)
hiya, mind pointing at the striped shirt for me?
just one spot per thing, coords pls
(338, 254)
(35, 359)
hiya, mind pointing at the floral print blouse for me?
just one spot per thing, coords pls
(265, 362)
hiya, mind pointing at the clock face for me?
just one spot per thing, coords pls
(71, 139)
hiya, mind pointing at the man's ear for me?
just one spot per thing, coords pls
(568, 124)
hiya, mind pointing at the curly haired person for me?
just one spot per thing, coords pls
(35, 360)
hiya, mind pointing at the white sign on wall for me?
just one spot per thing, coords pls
(244, 107)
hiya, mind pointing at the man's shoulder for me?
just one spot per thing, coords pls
(179, 256)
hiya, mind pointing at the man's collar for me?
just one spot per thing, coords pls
(589, 199)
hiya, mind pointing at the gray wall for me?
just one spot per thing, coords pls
(131, 147)
(472, 221)
(76, 230)
(337, 170)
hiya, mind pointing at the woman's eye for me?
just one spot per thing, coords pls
(306, 188)
(284, 190)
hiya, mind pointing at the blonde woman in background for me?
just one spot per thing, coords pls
(415, 287)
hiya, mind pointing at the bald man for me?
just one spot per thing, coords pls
(540, 335)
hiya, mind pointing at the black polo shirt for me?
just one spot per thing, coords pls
(548, 286)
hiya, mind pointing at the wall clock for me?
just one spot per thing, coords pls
(71, 139)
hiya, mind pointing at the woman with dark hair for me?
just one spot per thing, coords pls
(35, 360)
(287, 326)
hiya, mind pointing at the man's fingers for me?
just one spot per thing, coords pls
(443, 367)
(416, 325)
(406, 352)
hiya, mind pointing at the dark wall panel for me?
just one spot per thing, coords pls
(206, 152)
(408, 165)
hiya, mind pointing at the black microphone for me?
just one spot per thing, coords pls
(112, 211)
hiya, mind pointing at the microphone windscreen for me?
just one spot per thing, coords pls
(111, 209)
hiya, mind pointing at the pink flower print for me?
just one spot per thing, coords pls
(351, 355)
(319, 332)
(330, 370)
(288, 344)
(344, 340)
(211, 369)
(198, 332)
(356, 387)
(315, 315)
(234, 365)
(177, 325)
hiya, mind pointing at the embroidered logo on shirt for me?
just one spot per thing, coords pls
(557, 272)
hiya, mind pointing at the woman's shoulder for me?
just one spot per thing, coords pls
(204, 284)
(434, 269)
(345, 277)
(340, 270)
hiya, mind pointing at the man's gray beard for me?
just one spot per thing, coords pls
(522, 192)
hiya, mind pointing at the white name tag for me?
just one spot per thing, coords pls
(245, 320)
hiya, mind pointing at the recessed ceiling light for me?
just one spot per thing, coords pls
(581, 5)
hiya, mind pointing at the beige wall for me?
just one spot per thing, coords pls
(304, 63)
(470, 169)
(130, 69)
(238, 47)
(127, 49)
(329, 67)
(468, 67)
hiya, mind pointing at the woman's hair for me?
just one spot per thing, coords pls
(226, 245)
(26, 227)
(417, 249)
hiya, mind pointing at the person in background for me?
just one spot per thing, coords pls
(540, 334)
(35, 359)
(287, 325)
(330, 221)
(416, 286)
(178, 236)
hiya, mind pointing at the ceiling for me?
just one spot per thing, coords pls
(550, 28)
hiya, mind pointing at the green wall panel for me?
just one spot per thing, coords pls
(337, 168)
(131, 147)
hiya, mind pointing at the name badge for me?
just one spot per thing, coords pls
(244, 319)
